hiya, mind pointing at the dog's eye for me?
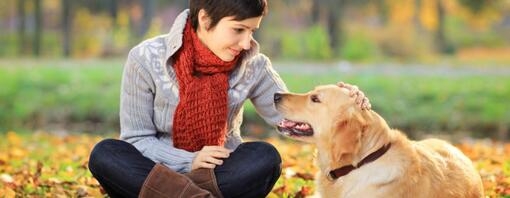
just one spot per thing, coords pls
(315, 99)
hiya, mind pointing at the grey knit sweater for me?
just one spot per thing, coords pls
(149, 96)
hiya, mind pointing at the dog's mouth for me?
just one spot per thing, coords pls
(293, 128)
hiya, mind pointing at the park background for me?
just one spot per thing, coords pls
(431, 68)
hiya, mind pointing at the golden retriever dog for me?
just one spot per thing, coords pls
(359, 155)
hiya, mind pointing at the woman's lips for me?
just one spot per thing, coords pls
(235, 52)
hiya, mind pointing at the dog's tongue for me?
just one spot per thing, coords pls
(287, 123)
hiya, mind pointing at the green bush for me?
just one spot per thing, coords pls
(358, 47)
(9, 45)
(292, 46)
(317, 43)
(463, 37)
(311, 44)
(63, 94)
(50, 45)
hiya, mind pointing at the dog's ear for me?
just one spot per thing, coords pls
(347, 135)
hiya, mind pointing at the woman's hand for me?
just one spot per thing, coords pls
(361, 99)
(210, 157)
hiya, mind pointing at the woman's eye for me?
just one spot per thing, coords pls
(315, 99)
(238, 30)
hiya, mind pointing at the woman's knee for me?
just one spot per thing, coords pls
(264, 164)
(267, 158)
(266, 152)
(102, 153)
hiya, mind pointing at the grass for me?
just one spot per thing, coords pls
(43, 93)
(424, 103)
(83, 96)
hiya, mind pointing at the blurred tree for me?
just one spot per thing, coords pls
(383, 10)
(315, 11)
(481, 15)
(38, 18)
(113, 10)
(141, 16)
(66, 27)
(179, 3)
(22, 37)
(149, 7)
(416, 18)
(333, 13)
(476, 5)
(335, 28)
(442, 44)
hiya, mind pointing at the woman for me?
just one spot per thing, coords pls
(181, 110)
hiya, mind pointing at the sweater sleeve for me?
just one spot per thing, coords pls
(262, 96)
(136, 119)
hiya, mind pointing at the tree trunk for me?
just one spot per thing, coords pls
(22, 37)
(37, 27)
(334, 24)
(149, 7)
(66, 27)
(383, 10)
(440, 32)
(113, 10)
(333, 29)
(316, 11)
(416, 18)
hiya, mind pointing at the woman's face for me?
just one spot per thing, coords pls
(229, 37)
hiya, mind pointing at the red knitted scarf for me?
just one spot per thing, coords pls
(201, 115)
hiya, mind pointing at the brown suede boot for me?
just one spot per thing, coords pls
(163, 182)
(205, 179)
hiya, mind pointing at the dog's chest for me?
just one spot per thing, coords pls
(363, 182)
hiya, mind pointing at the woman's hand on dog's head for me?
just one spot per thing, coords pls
(361, 99)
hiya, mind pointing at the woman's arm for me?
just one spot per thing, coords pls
(262, 93)
(136, 118)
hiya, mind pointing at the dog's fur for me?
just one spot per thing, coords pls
(345, 134)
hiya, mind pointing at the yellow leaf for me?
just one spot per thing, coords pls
(81, 150)
(7, 193)
(18, 153)
(13, 138)
(95, 192)
(54, 180)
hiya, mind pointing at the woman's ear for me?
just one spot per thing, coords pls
(203, 20)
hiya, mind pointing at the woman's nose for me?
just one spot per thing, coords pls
(246, 42)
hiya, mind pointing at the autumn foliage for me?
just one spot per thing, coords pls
(45, 165)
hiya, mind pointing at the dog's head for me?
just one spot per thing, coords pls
(325, 114)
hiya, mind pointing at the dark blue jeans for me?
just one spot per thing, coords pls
(250, 171)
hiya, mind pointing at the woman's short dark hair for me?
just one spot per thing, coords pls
(217, 9)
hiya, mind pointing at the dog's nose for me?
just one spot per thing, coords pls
(277, 97)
